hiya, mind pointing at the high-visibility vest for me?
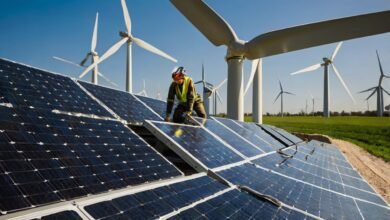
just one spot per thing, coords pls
(182, 95)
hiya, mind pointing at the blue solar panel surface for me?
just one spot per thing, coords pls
(25, 86)
(198, 142)
(277, 135)
(158, 106)
(247, 134)
(313, 199)
(232, 138)
(154, 203)
(124, 104)
(262, 134)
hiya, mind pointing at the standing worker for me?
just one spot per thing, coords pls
(184, 89)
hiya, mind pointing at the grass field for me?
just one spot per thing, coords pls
(370, 133)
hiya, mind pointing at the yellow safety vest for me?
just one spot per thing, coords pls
(182, 95)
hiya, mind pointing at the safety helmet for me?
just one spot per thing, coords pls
(178, 73)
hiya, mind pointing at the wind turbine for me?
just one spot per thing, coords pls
(207, 91)
(312, 100)
(127, 37)
(281, 97)
(325, 64)
(219, 32)
(216, 95)
(93, 55)
(379, 90)
(143, 91)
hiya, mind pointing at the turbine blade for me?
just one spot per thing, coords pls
(107, 54)
(368, 89)
(94, 34)
(66, 61)
(198, 82)
(280, 85)
(152, 49)
(336, 50)
(373, 92)
(380, 65)
(218, 97)
(207, 21)
(209, 84)
(307, 69)
(202, 72)
(342, 82)
(277, 97)
(315, 34)
(386, 91)
(85, 59)
(126, 15)
(109, 81)
(221, 84)
(289, 93)
(255, 64)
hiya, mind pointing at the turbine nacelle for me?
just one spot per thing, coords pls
(236, 49)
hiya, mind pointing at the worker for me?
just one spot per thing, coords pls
(184, 89)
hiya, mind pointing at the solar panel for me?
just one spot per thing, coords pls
(261, 133)
(247, 134)
(156, 202)
(197, 146)
(233, 139)
(47, 157)
(26, 86)
(328, 179)
(69, 215)
(158, 106)
(124, 104)
(315, 200)
(278, 135)
(238, 205)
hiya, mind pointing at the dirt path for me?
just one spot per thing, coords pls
(375, 170)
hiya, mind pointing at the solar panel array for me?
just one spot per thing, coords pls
(247, 171)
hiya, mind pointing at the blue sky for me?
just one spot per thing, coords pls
(32, 31)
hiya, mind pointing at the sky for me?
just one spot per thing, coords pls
(33, 31)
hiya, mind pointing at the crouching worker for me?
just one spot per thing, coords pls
(184, 89)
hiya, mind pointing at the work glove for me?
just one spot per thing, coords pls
(167, 118)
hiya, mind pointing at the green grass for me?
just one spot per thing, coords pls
(370, 133)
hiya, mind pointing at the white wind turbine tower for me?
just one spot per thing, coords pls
(127, 37)
(325, 64)
(207, 87)
(143, 91)
(281, 97)
(312, 100)
(219, 32)
(378, 90)
(93, 55)
(216, 95)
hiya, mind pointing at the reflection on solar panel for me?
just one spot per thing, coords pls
(204, 149)
(297, 193)
(247, 134)
(124, 104)
(239, 143)
(25, 86)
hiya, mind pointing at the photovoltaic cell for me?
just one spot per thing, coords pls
(124, 104)
(314, 200)
(26, 86)
(47, 157)
(232, 138)
(65, 215)
(247, 134)
(154, 203)
(199, 143)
